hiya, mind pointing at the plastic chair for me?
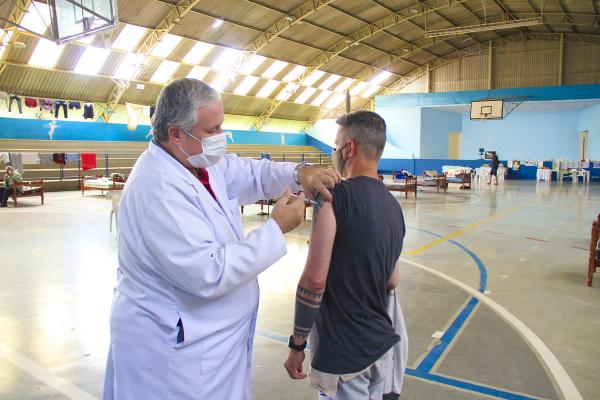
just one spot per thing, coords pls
(115, 197)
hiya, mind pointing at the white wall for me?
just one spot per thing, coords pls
(589, 120)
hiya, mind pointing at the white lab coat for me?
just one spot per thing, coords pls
(183, 256)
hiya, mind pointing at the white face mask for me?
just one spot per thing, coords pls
(213, 148)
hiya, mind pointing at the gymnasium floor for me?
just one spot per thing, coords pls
(497, 272)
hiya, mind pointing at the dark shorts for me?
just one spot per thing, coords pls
(494, 172)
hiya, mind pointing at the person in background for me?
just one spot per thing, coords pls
(352, 263)
(10, 177)
(494, 171)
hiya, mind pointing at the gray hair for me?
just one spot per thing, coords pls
(177, 105)
(367, 129)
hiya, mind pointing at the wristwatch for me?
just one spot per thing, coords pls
(297, 171)
(295, 347)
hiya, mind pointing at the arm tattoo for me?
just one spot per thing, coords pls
(307, 308)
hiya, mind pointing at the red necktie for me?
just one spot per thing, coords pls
(203, 177)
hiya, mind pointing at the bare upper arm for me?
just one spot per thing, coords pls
(320, 248)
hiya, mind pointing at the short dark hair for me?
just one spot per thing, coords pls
(367, 129)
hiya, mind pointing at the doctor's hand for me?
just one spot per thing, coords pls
(318, 180)
(293, 364)
(288, 214)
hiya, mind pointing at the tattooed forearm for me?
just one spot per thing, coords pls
(307, 307)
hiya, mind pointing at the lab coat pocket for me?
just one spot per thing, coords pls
(224, 348)
(185, 364)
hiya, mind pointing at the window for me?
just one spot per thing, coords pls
(274, 69)
(129, 37)
(246, 85)
(128, 66)
(198, 53)
(313, 77)
(287, 92)
(46, 54)
(166, 46)
(198, 73)
(91, 60)
(329, 81)
(251, 64)
(379, 78)
(294, 73)
(305, 95)
(268, 88)
(324, 95)
(164, 72)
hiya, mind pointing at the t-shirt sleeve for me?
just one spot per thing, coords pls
(340, 202)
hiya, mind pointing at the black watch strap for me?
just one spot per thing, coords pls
(294, 347)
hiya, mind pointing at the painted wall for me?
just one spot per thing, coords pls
(403, 131)
(523, 136)
(435, 128)
(589, 120)
(24, 128)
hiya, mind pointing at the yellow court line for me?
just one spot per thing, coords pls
(461, 231)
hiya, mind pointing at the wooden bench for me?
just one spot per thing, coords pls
(27, 189)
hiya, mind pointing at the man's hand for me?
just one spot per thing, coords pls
(318, 180)
(288, 215)
(293, 364)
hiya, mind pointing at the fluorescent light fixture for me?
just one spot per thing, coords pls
(287, 92)
(324, 95)
(335, 100)
(46, 54)
(223, 80)
(305, 95)
(294, 73)
(37, 18)
(371, 90)
(164, 72)
(218, 22)
(329, 81)
(166, 46)
(198, 53)
(198, 73)
(251, 63)
(274, 69)
(128, 66)
(247, 84)
(313, 77)
(129, 37)
(489, 26)
(382, 76)
(358, 89)
(228, 59)
(268, 88)
(91, 60)
(344, 85)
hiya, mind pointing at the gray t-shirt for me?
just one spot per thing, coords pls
(353, 324)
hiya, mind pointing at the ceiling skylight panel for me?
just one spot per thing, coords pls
(91, 60)
(198, 53)
(287, 92)
(324, 95)
(358, 89)
(268, 88)
(335, 100)
(37, 17)
(380, 77)
(198, 73)
(313, 77)
(343, 85)
(223, 80)
(46, 54)
(329, 81)
(246, 85)
(305, 95)
(164, 72)
(166, 45)
(228, 59)
(274, 69)
(251, 64)
(371, 90)
(294, 73)
(128, 66)
(129, 37)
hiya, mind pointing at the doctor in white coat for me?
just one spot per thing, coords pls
(185, 304)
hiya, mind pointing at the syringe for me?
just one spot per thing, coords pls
(306, 201)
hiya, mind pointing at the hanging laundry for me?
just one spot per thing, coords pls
(88, 110)
(134, 113)
(46, 104)
(74, 105)
(57, 105)
(45, 158)
(88, 161)
(16, 161)
(58, 158)
(30, 102)
(72, 157)
(5, 158)
(31, 158)
(17, 99)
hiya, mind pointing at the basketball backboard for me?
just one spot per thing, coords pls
(74, 19)
(487, 109)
